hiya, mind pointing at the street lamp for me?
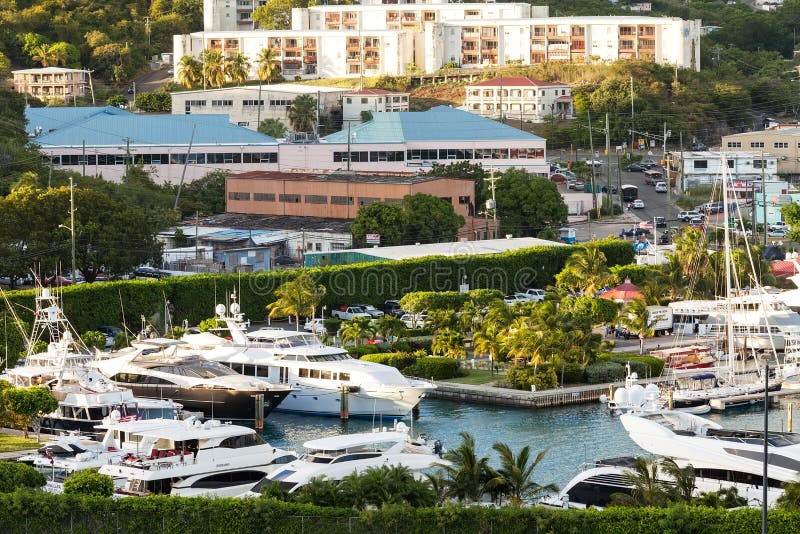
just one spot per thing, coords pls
(71, 226)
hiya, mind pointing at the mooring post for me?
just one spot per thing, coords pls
(344, 409)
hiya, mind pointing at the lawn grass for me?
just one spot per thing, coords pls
(474, 377)
(12, 442)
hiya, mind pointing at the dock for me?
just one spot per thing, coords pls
(516, 398)
(720, 405)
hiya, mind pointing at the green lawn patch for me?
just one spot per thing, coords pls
(12, 442)
(474, 377)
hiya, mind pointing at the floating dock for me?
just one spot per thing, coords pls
(719, 405)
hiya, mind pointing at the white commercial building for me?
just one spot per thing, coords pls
(376, 39)
(372, 100)
(520, 98)
(705, 167)
(247, 105)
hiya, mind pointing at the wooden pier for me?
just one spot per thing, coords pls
(720, 405)
(524, 399)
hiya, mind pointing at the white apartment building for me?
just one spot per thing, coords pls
(372, 100)
(520, 98)
(247, 105)
(704, 167)
(310, 54)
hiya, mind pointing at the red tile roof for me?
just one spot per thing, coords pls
(516, 81)
(374, 92)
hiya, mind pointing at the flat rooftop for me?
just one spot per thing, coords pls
(274, 222)
(338, 177)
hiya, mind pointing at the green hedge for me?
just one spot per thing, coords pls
(26, 512)
(359, 351)
(644, 366)
(435, 367)
(399, 360)
(193, 297)
(545, 377)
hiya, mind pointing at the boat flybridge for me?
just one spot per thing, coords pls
(321, 376)
(715, 452)
(335, 457)
(167, 368)
(189, 458)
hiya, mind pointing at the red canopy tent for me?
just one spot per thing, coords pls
(624, 292)
(784, 268)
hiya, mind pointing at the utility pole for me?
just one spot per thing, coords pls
(185, 164)
(501, 99)
(667, 133)
(316, 129)
(72, 223)
(608, 162)
(83, 156)
(127, 156)
(492, 204)
(764, 197)
(591, 165)
(632, 123)
(196, 234)
(348, 146)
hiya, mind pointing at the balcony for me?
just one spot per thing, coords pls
(626, 46)
(309, 60)
(647, 44)
(488, 33)
(469, 48)
(392, 17)
(469, 59)
(291, 45)
(353, 44)
(647, 32)
(292, 65)
(578, 32)
(354, 58)
(310, 44)
(372, 44)
(578, 45)
(332, 18)
(372, 61)
(350, 22)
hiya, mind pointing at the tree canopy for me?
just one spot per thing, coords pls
(528, 205)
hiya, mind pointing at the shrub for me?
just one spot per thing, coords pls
(435, 367)
(357, 351)
(14, 475)
(523, 377)
(89, 482)
(606, 371)
(332, 325)
(398, 360)
(95, 339)
(419, 343)
(644, 366)
(570, 373)
(122, 340)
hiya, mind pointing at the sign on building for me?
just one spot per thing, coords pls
(373, 239)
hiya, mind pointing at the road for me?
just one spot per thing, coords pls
(150, 81)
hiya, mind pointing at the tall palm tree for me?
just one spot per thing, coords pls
(674, 278)
(237, 68)
(489, 341)
(515, 472)
(356, 329)
(190, 72)
(213, 68)
(654, 290)
(448, 342)
(498, 315)
(636, 317)
(587, 266)
(648, 489)
(303, 113)
(297, 297)
(268, 65)
(467, 474)
(683, 477)
(389, 327)
(352, 492)
(521, 342)
(691, 249)
(49, 55)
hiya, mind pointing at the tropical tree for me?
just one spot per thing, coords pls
(272, 127)
(587, 269)
(467, 474)
(303, 113)
(488, 340)
(190, 71)
(356, 330)
(636, 317)
(514, 477)
(692, 252)
(683, 478)
(389, 327)
(269, 66)
(213, 68)
(89, 482)
(647, 487)
(448, 342)
(49, 55)
(790, 500)
(237, 68)
(297, 297)
(726, 498)
(521, 342)
(31, 404)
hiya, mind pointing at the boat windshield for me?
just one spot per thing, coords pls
(284, 342)
(775, 439)
(328, 357)
(208, 370)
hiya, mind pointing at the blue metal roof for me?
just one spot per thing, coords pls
(441, 123)
(51, 119)
(111, 126)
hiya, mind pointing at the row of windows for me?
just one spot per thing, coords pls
(365, 157)
(478, 153)
(757, 164)
(222, 103)
(529, 93)
(322, 374)
(760, 144)
(320, 199)
(165, 159)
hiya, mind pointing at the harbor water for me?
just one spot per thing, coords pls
(573, 435)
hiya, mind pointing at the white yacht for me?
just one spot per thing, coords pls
(336, 457)
(189, 458)
(597, 485)
(167, 368)
(322, 377)
(718, 453)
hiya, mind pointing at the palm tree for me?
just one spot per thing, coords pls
(351, 491)
(521, 342)
(389, 327)
(303, 113)
(514, 476)
(467, 474)
(683, 477)
(438, 484)
(498, 315)
(213, 68)
(297, 297)
(654, 291)
(49, 55)
(356, 329)
(489, 341)
(268, 65)
(587, 266)
(237, 68)
(692, 251)
(674, 278)
(636, 317)
(448, 342)
(647, 489)
(190, 72)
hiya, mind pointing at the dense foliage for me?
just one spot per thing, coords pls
(89, 482)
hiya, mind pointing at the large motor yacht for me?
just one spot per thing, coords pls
(322, 377)
(716, 452)
(335, 457)
(165, 368)
(190, 458)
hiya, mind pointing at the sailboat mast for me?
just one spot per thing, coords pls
(727, 247)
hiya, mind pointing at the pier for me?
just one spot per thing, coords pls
(720, 405)
(516, 398)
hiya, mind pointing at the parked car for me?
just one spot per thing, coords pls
(284, 260)
(636, 232)
(110, 332)
(635, 167)
(686, 216)
(613, 189)
(346, 313)
(414, 320)
(571, 183)
(149, 272)
(595, 162)
(777, 232)
(374, 312)
(638, 204)
(661, 187)
(648, 163)
(532, 294)
(660, 222)
(713, 207)
(316, 326)
(780, 225)
(392, 307)
(516, 298)
(579, 185)
(665, 238)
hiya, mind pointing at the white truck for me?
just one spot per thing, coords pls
(345, 313)
(533, 295)
(660, 319)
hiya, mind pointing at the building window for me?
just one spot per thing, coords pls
(780, 144)
(349, 100)
(734, 144)
(289, 198)
(731, 163)
(338, 246)
(233, 195)
(366, 201)
(280, 103)
(247, 103)
(463, 200)
(222, 103)
(264, 197)
(757, 144)
(318, 247)
(316, 199)
(759, 164)
(701, 164)
(364, 101)
(260, 157)
(343, 201)
(195, 103)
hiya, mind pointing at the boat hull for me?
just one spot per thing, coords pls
(391, 402)
(217, 403)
